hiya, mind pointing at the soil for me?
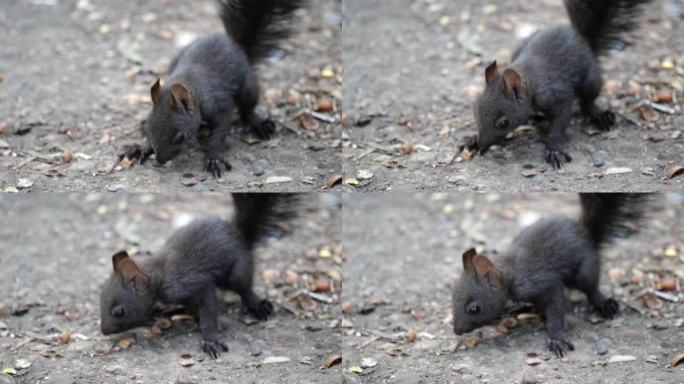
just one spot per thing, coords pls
(75, 77)
(57, 251)
(404, 253)
(414, 67)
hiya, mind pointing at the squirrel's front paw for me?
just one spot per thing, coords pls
(214, 167)
(262, 310)
(263, 129)
(136, 152)
(603, 120)
(609, 309)
(555, 158)
(559, 346)
(470, 143)
(213, 348)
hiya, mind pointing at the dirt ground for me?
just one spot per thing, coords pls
(56, 252)
(75, 78)
(414, 67)
(402, 263)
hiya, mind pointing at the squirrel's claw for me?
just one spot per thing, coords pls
(214, 167)
(559, 346)
(555, 158)
(213, 348)
(602, 120)
(609, 309)
(136, 152)
(263, 129)
(261, 311)
(470, 143)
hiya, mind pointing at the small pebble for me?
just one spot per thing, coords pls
(259, 167)
(255, 349)
(117, 188)
(462, 368)
(598, 159)
(115, 369)
(601, 348)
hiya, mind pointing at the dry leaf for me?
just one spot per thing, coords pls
(648, 113)
(309, 123)
(533, 359)
(674, 171)
(677, 359)
(621, 359)
(406, 149)
(528, 170)
(307, 303)
(64, 337)
(332, 360)
(186, 360)
(663, 97)
(347, 307)
(324, 105)
(410, 336)
(333, 181)
(125, 343)
(617, 170)
(275, 360)
(652, 301)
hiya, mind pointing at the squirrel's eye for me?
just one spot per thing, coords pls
(118, 312)
(503, 124)
(473, 308)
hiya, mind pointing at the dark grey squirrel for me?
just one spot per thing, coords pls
(206, 254)
(549, 70)
(544, 259)
(212, 77)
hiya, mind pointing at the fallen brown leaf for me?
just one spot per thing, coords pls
(410, 336)
(332, 360)
(347, 307)
(674, 171)
(677, 359)
(333, 181)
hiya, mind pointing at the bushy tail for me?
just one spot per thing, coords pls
(258, 213)
(602, 21)
(607, 215)
(257, 25)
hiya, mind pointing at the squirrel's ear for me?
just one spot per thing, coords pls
(127, 268)
(490, 72)
(118, 258)
(155, 91)
(181, 95)
(468, 258)
(482, 265)
(512, 82)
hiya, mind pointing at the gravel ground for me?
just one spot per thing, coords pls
(404, 253)
(76, 79)
(57, 251)
(411, 76)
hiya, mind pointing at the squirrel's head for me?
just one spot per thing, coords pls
(479, 295)
(174, 119)
(502, 106)
(126, 300)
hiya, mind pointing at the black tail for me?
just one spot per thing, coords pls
(257, 25)
(607, 215)
(258, 213)
(602, 21)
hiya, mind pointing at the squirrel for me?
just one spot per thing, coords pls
(210, 78)
(542, 260)
(206, 254)
(549, 70)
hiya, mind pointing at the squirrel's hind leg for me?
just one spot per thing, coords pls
(247, 101)
(587, 280)
(603, 119)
